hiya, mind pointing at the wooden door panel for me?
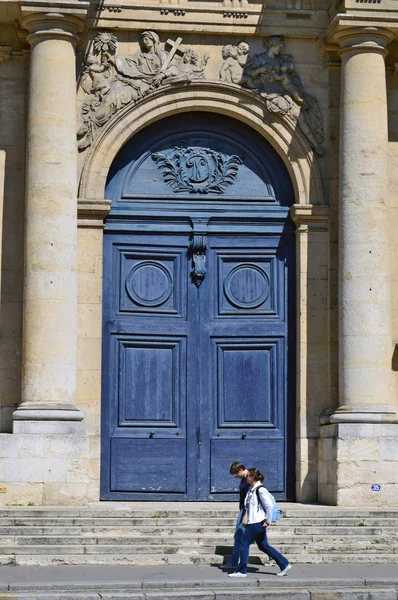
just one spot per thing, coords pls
(148, 466)
(249, 383)
(150, 281)
(266, 455)
(247, 285)
(152, 383)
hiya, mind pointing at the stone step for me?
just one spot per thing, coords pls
(188, 559)
(364, 547)
(194, 540)
(181, 536)
(372, 593)
(322, 582)
(136, 539)
(220, 594)
(178, 510)
(181, 532)
(189, 523)
(310, 516)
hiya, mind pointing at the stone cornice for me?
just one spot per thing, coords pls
(310, 217)
(343, 23)
(365, 8)
(235, 17)
(91, 213)
(55, 18)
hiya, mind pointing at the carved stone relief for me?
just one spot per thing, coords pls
(235, 58)
(111, 81)
(197, 170)
(272, 74)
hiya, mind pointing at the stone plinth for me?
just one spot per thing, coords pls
(352, 458)
(49, 469)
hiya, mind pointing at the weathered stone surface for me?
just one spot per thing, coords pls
(378, 594)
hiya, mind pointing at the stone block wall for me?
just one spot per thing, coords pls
(352, 457)
(313, 347)
(13, 89)
(46, 469)
(88, 392)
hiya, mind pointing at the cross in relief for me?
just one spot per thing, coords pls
(175, 48)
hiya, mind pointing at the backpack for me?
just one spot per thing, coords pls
(276, 513)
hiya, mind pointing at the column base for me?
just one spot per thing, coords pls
(358, 464)
(44, 418)
(368, 413)
(44, 469)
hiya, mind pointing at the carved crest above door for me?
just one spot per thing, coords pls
(197, 170)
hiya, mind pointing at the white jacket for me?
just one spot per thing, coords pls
(255, 511)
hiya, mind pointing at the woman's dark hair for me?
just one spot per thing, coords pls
(256, 474)
(236, 467)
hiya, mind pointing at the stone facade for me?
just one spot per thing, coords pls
(335, 125)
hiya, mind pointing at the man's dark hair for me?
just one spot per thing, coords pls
(236, 467)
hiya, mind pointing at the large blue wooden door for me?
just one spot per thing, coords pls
(198, 336)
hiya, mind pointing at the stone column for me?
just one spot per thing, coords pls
(365, 335)
(50, 284)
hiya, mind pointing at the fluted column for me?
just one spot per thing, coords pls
(50, 281)
(365, 334)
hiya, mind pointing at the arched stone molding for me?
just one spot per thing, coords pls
(227, 99)
(309, 213)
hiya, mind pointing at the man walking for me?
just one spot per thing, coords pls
(238, 470)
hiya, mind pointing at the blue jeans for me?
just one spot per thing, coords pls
(239, 531)
(258, 533)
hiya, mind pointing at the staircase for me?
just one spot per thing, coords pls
(191, 533)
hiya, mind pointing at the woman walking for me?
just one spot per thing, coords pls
(258, 506)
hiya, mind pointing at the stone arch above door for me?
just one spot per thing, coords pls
(225, 99)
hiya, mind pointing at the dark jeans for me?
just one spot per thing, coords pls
(258, 533)
(240, 530)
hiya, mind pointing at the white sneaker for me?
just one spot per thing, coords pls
(237, 574)
(285, 570)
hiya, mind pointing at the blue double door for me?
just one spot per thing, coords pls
(197, 372)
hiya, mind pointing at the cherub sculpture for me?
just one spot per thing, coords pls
(235, 58)
(192, 65)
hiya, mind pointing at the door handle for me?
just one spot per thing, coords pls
(243, 436)
(198, 248)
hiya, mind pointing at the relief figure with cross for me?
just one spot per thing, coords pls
(113, 81)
